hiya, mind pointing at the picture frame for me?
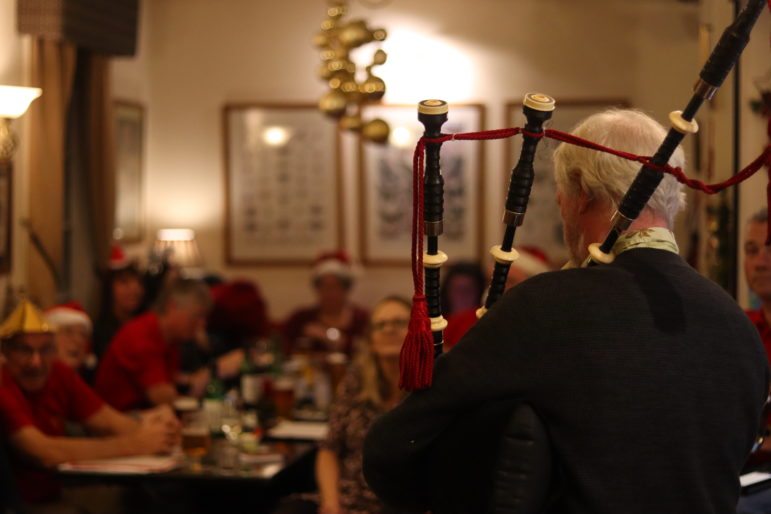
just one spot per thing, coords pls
(542, 227)
(129, 119)
(386, 186)
(283, 191)
(6, 215)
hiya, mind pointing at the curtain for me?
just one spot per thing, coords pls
(101, 163)
(53, 67)
(72, 184)
(90, 178)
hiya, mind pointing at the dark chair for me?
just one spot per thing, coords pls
(496, 459)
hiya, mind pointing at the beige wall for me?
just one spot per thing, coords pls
(194, 58)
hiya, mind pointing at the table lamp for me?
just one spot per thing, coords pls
(179, 246)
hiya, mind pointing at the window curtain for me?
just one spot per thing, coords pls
(90, 205)
(53, 68)
(71, 196)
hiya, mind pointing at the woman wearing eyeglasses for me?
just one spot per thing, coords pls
(370, 387)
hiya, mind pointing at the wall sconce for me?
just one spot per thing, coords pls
(14, 102)
(178, 247)
(346, 94)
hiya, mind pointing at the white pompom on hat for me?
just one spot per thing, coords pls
(66, 314)
(336, 263)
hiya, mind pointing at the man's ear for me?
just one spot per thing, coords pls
(584, 201)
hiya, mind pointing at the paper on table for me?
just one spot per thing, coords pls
(307, 430)
(138, 464)
(270, 470)
(753, 478)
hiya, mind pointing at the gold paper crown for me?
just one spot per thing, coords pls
(25, 319)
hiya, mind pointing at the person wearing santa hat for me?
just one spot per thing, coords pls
(334, 323)
(531, 262)
(73, 337)
(123, 293)
(39, 394)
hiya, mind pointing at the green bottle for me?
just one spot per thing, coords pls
(214, 401)
(251, 381)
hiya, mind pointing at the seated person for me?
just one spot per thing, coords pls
(370, 387)
(530, 263)
(334, 323)
(462, 288)
(141, 365)
(38, 394)
(9, 496)
(121, 298)
(73, 338)
(238, 318)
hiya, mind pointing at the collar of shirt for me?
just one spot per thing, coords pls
(659, 238)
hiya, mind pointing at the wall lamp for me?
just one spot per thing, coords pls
(14, 101)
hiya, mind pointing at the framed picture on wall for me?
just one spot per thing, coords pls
(6, 215)
(129, 165)
(542, 227)
(386, 186)
(283, 186)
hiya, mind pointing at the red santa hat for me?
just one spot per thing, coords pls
(239, 309)
(333, 263)
(118, 259)
(66, 314)
(532, 260)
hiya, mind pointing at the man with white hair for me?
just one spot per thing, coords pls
(648, 378)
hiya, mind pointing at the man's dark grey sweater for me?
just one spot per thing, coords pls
(649, 378)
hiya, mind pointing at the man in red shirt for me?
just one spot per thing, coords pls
(38, 394)
(141, 365)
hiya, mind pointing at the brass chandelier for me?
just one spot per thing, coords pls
(346, 95)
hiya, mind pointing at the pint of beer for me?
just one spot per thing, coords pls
(185, 407)
(196, 441)
(337, 363)
(283, 396)
(196, 438)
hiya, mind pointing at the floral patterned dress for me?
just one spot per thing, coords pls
(349, 420)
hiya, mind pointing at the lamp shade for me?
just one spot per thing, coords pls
(14, 100)
(179, 246)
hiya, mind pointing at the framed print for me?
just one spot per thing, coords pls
(386, 186)
(542, 227)
(129, 158)
(283, 191)
(6, 215)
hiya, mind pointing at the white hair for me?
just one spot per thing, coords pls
(606, 177)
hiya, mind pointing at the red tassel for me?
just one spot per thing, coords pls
(416, 360)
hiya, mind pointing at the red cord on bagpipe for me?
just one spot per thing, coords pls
(764, 159)
(416, 360)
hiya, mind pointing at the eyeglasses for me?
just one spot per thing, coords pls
(395, 323)
(26, 353)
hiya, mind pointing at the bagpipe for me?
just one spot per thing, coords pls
(424, 340)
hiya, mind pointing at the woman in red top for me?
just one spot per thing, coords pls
(334, 323)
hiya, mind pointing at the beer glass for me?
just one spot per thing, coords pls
(196, 438)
